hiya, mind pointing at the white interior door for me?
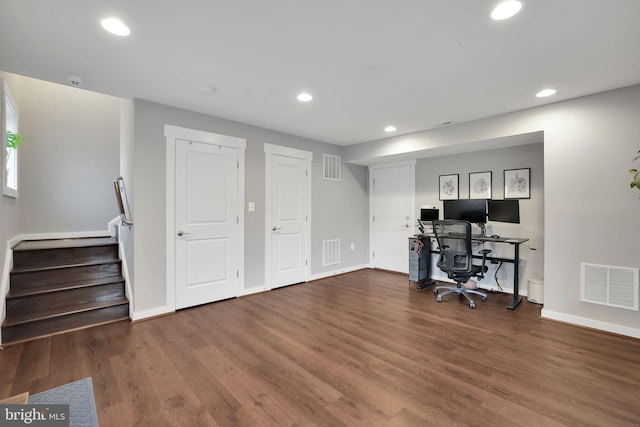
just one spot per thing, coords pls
(392, 222)
(206, 223)
(288, 218)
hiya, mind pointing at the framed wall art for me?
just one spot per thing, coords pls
(517, 183)
(480, 185)
(449, 187)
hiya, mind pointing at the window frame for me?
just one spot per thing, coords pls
(7, 99)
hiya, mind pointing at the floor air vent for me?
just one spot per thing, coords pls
(330, 252)
(611, 286)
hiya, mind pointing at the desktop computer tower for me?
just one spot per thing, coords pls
(418, 261)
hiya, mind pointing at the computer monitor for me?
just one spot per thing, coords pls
(472, 210)
(504, 210)
(429, 214)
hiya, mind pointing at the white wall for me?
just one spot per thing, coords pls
(339, 208)
(591, 215)
(69, 158)
(531, 210)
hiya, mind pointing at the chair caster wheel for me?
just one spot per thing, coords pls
(439, 299)
(435, 291)
(484, 299)
(472, 305)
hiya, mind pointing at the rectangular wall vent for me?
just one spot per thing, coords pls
(330, 252)
(608, 285)
(331, 167)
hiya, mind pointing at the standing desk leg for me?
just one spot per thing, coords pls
(516, 278)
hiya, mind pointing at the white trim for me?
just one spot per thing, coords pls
(117, 224)
(269, 150)
(590, 323)
(252, 290)
(412, 219)
(65, 235)
(153, 312)
(6, 93)
(339, 271)
(175, 132)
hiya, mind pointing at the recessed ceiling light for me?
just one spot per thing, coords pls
(390, 129)
(545, 92)
(505, 10)
(304, 97)
(115, 26)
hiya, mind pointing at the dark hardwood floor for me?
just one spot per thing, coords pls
(361, 349)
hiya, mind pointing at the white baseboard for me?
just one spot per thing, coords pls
(65, 235)
(252, 290)
(152, 312)
(590, 323)
(262, 288)
(338, 271)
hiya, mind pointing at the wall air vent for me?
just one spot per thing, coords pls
(330, 252)
(610, 286)
(331, 167)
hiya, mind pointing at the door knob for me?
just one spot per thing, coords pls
(405, 226)
(276, 228)
(181, 233)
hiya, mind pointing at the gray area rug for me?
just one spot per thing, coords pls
(78, 395)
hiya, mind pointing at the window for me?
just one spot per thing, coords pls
(10, 157)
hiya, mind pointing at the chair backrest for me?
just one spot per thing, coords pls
(454, 240)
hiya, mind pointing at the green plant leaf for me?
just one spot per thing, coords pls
(14, 140)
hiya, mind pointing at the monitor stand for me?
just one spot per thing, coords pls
(483, 228)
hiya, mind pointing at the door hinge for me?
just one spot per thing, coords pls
(306, 262)
(306, 172)
(373, 254)
(374, 218)
(306, 217)
(238, 219)
(237, 164)
(237, 273)
(374, 181)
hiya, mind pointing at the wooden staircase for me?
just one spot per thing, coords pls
(62, 285)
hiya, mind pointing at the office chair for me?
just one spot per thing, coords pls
(456, 258)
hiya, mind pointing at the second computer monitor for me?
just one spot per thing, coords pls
(504, 210)
(472, 210)
(429, 214)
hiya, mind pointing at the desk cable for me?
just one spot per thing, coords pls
(495, 276)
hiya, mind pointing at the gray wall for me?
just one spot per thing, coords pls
(69, 158)
(339, 209)
(531, 210)
(590, 214)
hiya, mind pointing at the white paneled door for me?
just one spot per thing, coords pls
(206, 223)
(392, 221)
(288, 217)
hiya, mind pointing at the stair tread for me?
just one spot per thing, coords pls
(27, 245)
(58, 266)
(61, 311)
(46, 289)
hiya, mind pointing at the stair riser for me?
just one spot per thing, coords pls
(42, 278)
(72, 321)
(62, 256)
(64, 299)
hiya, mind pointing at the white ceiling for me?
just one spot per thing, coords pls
(368, 63)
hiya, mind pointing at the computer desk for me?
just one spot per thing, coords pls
(513, 241)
